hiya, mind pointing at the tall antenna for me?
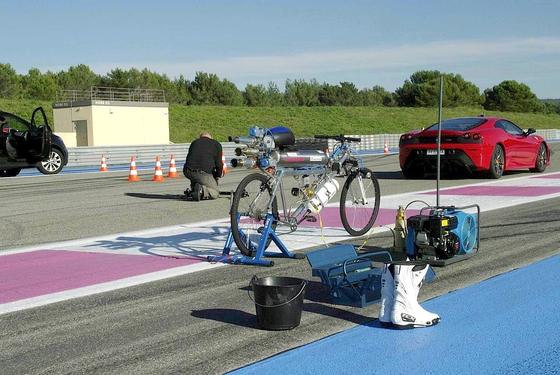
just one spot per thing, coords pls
(439, 138)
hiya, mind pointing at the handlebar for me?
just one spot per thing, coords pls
(339, 138)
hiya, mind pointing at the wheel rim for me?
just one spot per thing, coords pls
(54, 162)
(250, 213)
(358, 213)
(499, 161)
(541, 158)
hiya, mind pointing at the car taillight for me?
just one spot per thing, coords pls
(408, 138)
(474, 137)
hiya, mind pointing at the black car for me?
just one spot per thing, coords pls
(29, 144)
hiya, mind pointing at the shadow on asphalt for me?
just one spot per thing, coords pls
(245, 319)
(393, 175)
(182, 245)
(230, 316)
(181, 197)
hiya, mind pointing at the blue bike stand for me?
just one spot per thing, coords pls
(268, 232)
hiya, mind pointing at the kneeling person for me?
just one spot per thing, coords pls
(203, 167)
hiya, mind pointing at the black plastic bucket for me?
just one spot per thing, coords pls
(278, 301)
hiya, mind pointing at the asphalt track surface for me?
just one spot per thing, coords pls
(204, 322)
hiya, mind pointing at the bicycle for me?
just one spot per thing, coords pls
(257, 195)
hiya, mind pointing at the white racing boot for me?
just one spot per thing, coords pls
(407, 312)
(387, 297)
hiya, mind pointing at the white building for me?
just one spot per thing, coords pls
(107, 116)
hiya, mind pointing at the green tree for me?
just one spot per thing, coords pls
(255, 96)
(275, 97)
(344, 94)
(208, 89)
(116, 78)
(375, 97)
(348, 94)
(512, 96)
(302, 93)
(422, 90)
(10, 83)
(179, 92)
(39, 86)
(328, 94)
(79, 77)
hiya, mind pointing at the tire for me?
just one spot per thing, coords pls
(540, 162)
(53, 165)
(12, 172)
(249, 210)
(356, 217)
(497, 163)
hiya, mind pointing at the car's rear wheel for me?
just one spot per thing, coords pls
(497, 163)
(540, 163)
(12, 172)
(53, 164)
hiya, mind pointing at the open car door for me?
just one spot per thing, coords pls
(39, 142)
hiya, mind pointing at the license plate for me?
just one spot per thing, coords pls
(434, 152)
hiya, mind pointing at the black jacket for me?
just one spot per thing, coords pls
(205, 154)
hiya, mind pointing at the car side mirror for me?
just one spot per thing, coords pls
(530, 131)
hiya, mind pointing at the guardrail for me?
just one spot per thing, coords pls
(91, 156)
(112, 94)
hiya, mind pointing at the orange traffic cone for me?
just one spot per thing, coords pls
(158, 175)
(103, 164)
(133, 174)
(386, 148)
(172, 168)
(224, 165)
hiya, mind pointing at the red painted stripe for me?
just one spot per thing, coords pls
(330, 217)
(41, 272)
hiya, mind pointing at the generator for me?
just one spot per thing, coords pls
(443, 233)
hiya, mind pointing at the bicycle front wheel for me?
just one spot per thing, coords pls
(359, 202)
(249, 208)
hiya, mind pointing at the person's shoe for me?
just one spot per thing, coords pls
(407, 312)
(197, 192)
(387, 297)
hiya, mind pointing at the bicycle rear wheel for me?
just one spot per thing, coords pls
(359, 202)
(248, 212)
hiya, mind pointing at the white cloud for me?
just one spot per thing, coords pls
(385, 65)
(375, 58)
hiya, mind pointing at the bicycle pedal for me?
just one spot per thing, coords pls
(311, 219)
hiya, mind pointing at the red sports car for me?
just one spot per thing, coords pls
(488, 144)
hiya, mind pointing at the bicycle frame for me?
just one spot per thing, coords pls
(342, 152)
(269, 151)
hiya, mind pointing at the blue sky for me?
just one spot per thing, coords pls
(365, 42)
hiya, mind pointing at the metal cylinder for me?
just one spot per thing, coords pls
(301, 158)
(323, 194)
(247, 163)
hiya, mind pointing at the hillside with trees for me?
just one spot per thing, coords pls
(420, 90)
(308, 107)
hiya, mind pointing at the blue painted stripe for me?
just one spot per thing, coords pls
(508, 324)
